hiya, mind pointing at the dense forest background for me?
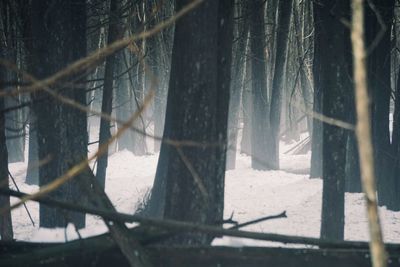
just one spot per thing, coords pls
(193, 81)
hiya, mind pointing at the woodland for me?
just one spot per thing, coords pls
(197, 84)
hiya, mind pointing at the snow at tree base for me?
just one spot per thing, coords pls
(249, 194)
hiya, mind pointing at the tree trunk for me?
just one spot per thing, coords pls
(332, 79)
(237, 84)
(282, 39)
(114, 33)
(380, 86)
(6, 231)
(260, 124)
(61, 130)
(123, 102)
(352, 178)
(197, 110)
(247, 110)
(32, 172)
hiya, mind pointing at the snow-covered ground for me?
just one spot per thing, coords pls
(249, 194)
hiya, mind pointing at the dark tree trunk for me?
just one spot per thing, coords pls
(6, 231)
(247, 110)
(197, 109)
(316, 136)
(353, 178)
(333, 81)
(380, 86)
(261, 156)
(139, 86)
(15, 126)
(303, 56)
(396, 147)
(114, 33)
(160, 99)
(14, 119)
(123, 102)
(159, 59)
(353, 175)
(32, 172)
(282, 39)
(271, 33)
(61, 129)
(237, 84)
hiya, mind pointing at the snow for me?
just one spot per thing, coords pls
(249, 194)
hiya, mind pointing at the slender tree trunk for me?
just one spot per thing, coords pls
(237, 84)
(353, 179)
(260, 124)
(379, 81)
(303, 54)
(271, 33)
(316, 137)
(6, 231)
(247, 111)
(32, 172)
(114, 33)
(395, 202)
(363, 130)
(123, 102)
(283, 25)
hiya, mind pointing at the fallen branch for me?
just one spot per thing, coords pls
(179, 226)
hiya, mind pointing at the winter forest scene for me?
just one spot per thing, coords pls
(182, 133)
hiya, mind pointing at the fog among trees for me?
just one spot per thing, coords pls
(168, 133)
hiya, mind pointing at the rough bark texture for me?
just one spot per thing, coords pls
(332, 76)
(32, 172)
(124, 102)
(62, 135)
(114, 33)
(353, 178)
(396, 146)
(261, 155)
(364, 138)
(197, 110)
(247, 111)
(380, 88)
(282, 39)
(6, 231)
(238, 78)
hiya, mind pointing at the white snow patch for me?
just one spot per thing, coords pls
(249, 194)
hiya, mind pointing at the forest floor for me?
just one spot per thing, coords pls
(249, 194)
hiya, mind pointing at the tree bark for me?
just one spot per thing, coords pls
(262, 158)
(282, 39)
(237, 85)
(32, 172)
(114, 33)
(332, 79)
(6, 231)
(191, 179)
(364, 139)
(380, 87)
(62, 133)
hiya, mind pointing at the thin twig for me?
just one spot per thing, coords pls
(26, 208)
(271, 217)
